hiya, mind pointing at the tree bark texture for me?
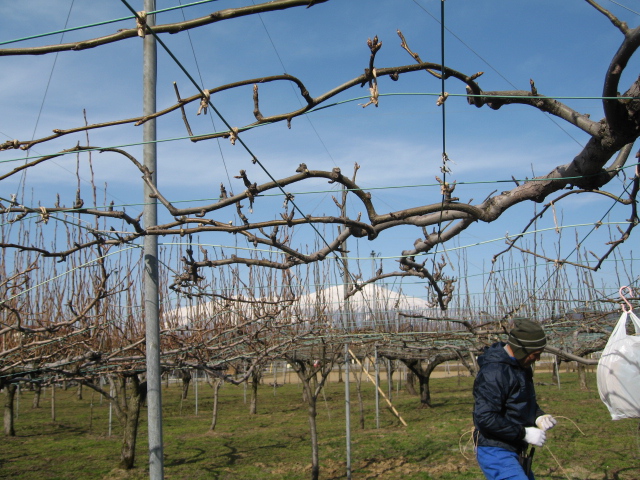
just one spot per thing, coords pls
(253, 405)
(313, 428)
(411, 383)
(185, 376)
(307, 372)
(423, 373)
(130, 395)
(10, 395)
(37, 391)
(582, 375)
(217, 383)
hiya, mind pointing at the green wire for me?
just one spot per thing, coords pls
(341, 102)
(389, 187)
(106, 22)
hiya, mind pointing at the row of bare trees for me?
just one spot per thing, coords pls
(230, 328)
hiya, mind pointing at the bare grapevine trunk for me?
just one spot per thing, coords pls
(582, 375)
(129, 436)
(311, 387)
(255, 381)
(216, 388)
(185, 376)
(10, 392)
(410, 384)
(313, 429)
(37, 391)
(128, 404)
(423, 373)
(390, 371)
(425, 392)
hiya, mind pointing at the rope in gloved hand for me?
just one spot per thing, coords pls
(551, 453)
(463, 447)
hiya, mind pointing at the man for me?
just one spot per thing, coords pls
(506, 415)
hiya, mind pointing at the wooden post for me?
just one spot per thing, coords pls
(393, 409)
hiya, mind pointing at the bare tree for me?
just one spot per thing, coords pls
(185, 375)
(217, 383)
(308, 366)
(422, 369)
(10, 393)
(256, 377)
(127, 395)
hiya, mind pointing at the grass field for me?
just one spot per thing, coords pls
(274, 444)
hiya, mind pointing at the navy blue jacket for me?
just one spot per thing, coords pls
(505, 400)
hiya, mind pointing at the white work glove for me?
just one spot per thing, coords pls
(535, 436)
(545, 422)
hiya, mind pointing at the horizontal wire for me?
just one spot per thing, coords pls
(625, 7)
(86, 264)
(500, 270)
(391, 257)
(105, 22)
(314, 110)
(364, 189)
(395, 257)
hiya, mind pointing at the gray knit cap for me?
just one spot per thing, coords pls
(526, 337)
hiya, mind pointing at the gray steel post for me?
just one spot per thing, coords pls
(150, 275)
(110, 409)
(377, 387)
(347, 405)
(195, 378)
(275, 377)
(389, 384)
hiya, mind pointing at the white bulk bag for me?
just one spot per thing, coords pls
(619, 370)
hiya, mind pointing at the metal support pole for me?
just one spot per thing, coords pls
(347, 405)
(150, 274)
(275, 377)
(375, 356)
(246, 381)
(53, 400)
(389, 384)
(110, 409)
(195, 377)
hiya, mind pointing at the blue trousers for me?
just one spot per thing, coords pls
(500, 464)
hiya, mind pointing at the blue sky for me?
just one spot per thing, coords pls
(565, 47)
